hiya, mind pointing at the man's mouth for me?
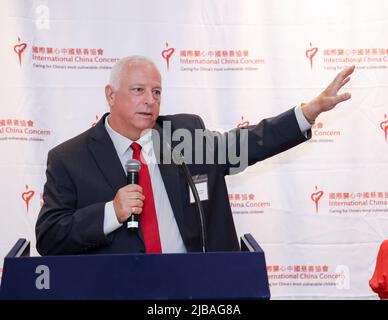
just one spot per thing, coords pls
(145, 114)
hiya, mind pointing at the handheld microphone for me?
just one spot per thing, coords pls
(133, 167)
(179, 160)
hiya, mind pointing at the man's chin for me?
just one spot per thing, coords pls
(145, 125)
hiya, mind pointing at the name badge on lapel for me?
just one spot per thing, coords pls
(200, 182)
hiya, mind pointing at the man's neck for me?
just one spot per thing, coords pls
(133, 135)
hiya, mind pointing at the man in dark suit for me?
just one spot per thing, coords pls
(87, 201)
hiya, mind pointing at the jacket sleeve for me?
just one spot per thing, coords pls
(242, 147)
(62, 228)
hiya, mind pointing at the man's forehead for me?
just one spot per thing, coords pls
(141, 72)
(144, 66)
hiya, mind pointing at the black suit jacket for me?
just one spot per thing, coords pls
(85, 172)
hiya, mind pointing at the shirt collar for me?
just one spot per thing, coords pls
(122, 143)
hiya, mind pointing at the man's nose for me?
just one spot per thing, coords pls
(149, 97)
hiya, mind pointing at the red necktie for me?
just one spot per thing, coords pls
(148, 219)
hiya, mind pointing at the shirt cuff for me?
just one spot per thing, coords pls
(110, 219)
(304, 125)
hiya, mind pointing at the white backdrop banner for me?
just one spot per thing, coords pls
(320, 210)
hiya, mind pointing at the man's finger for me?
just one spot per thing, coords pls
(136, 210)
(342, 78)
(342, 97)
(347, 72)
(137, 203)
(135, 195)
(345, 81)
(133, 187)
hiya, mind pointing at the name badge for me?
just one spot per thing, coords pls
(200, 182)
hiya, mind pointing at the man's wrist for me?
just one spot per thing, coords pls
(307, 112)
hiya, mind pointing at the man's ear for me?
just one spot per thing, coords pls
(109, 95)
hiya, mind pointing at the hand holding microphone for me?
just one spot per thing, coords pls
(128, 202)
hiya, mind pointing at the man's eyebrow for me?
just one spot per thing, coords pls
(143, 85)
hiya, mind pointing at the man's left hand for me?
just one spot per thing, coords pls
(329, 98)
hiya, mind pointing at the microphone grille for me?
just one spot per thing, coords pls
(132, 165)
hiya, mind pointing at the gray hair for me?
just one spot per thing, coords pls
(115, 74)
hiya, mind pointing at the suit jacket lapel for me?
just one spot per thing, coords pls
(104, 152)
(171, 175)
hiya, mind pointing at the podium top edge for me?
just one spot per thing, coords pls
(140, 255)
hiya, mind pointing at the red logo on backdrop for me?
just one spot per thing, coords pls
(384, 127)
(166, 54)
(243, 123)
(310, 53)
(317, 126)
(316, 196)
(27, 196)
(19, 49)
(94, 123)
